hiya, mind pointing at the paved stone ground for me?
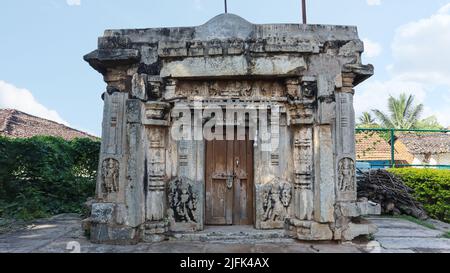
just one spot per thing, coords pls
(62, 233)
(402, 236)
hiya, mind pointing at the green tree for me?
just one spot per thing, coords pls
(43, 175)
(367, 121)
(429, 123)
(402, 114)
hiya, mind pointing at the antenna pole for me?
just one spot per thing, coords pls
(303, 11)
(226, 6)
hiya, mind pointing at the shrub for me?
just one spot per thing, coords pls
(431, 188)
(43, 175)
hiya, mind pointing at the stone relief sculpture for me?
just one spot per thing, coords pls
(183, 201)
(309, 88)
(276, 199)
(346, 171)
(110, 175)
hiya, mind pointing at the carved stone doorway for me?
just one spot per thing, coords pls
(229, 182)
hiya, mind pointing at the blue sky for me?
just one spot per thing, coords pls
(42, 44)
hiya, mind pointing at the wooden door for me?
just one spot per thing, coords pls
(229, 182)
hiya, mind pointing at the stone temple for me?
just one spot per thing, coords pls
(290, 161)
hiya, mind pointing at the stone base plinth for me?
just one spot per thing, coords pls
(115, 235)
(155, 232)
(308, 230)
(313, 231)
(107, 225)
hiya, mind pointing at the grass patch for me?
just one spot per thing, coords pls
(446, 235)
(8, 225)
(417, 221)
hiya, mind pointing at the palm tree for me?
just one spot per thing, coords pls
(402, 114)
(366, 119)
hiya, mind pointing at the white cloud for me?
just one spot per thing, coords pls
(372, 49)
(374, 94)
(73, 2)
(22, 100)
(373, 2)
(420, 67)
(441, 114)
(420, 49)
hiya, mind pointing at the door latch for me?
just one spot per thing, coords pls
(230, 180)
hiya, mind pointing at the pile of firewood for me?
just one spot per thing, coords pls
(384, 188)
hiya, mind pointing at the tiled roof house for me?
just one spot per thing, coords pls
(14, 123)
(372, 148)
(424, 148)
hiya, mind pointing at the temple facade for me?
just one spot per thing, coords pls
(229, 123)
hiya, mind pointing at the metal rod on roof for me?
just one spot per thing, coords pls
(226, 7)
(304, 11)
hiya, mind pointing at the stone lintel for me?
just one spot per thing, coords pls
(232, 66)
(172, 49)
(102, 59)
(114, 42)
(361, 72)
(155, 122)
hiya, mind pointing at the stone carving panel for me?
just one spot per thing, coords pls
(113, 130)
(346, 175)
(229, 88)
(277, 197)
(309, 88)
(183, 201)
(110, 176)
(302, 114)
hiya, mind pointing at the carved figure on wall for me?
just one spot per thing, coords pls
(276, 199)
(346, 171)
(183, 201)
(309, 89)
(110, 175)
(286, 195)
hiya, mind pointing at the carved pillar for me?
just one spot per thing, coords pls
(156, 161)
(311, 183)
(134, 195)
(113, 142)
(324, 199)
(156, 123)
(303, 165)
(345, 141)
(347, 205)
(302, 118)
(118, 214)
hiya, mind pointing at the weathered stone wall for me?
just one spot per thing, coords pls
(308, 71)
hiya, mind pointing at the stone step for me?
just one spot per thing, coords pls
(232, 235)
